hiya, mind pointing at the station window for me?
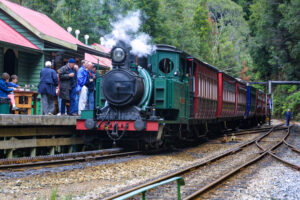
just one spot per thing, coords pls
(166, 65)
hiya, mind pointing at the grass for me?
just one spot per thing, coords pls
(55, 196)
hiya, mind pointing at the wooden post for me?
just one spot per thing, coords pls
(59, 149)
(52, 150)
(70, 149)
(73, 146)
(33, 150)
(10, 152)
(83, 148)
(4, 151)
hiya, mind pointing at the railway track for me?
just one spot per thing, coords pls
(250, 131)
(9, 163)
(82, 156)
(64, 158)
(203, 176)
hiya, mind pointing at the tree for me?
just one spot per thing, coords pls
(202, 24)
(223, 34)
(275, 46)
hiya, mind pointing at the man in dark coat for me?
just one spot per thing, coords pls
(68, 81)
(47, 88)
(288, 116)
(91, 84)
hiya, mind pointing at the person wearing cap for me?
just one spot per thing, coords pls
(47, 88)
(68, 82)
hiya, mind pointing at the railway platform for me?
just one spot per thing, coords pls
(7, 120)
(31, 135)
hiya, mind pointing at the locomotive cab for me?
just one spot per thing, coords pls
(171, 83)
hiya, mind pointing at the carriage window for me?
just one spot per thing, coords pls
(166, 65)
(199, 86)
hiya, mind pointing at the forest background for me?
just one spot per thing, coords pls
(255, 40)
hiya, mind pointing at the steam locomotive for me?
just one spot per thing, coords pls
(165, 98)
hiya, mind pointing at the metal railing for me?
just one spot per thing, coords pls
(143, 190)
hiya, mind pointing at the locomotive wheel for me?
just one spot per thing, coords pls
(159, 144)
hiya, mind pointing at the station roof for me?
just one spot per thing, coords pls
(101, 47)
(97, 59)
(45, 28)
(40, 24)
(9, 35)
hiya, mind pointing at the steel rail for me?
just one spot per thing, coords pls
(194, 166)
(256, 131)
(285, 161)
(232, 172)
(64, 158)
(282, 160)
(291, 146)
(242, 131)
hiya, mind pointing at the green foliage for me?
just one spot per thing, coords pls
(245, 4)
(275, 48)
(287, 97)
(203, 30)
(276, 35)
(222, 34)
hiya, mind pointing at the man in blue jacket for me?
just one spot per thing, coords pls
(4, 90)
(47, 88)
(80, 88)
(288, 116)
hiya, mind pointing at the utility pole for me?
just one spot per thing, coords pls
(270, 101)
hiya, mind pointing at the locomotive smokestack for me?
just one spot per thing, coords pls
(136, 60)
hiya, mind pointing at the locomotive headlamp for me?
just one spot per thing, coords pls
(118, 55)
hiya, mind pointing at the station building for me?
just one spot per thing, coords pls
(29, 38)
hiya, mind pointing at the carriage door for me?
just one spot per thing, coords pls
(190, 73)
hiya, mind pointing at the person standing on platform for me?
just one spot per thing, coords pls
(81, 88)
(76, 68)
(90, 83)
(288, 117)
(47, 88)
(4, 90)
(68, 81)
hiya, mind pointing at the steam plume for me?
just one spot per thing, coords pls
(126, 29)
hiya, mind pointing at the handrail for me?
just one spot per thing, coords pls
(180, 182)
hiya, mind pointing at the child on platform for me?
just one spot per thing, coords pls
(4, 89)
(13, 84)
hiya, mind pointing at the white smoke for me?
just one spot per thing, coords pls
(126, 29)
